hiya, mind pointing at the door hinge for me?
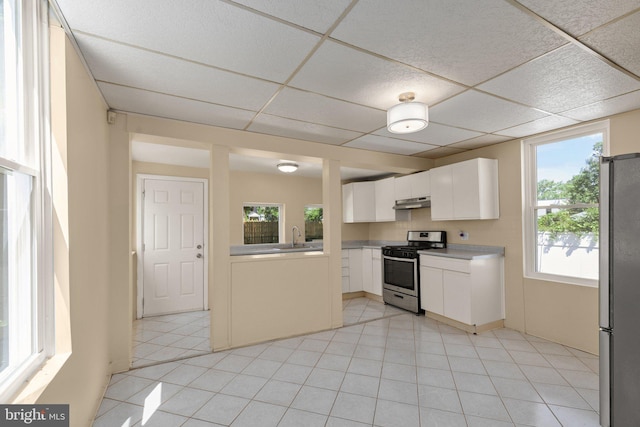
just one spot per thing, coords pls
(144, 247)
(144, 193)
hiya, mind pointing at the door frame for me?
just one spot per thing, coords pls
(140, 178)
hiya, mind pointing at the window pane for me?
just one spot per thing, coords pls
(567, 171)
(261, 224)
(17, 295)
(312, 223)
(567, 238)
(8, 83)
(567, 243)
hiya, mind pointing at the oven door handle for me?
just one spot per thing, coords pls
(413, 260)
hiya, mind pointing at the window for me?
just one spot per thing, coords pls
(561, 173)
(312, 223)
(261, 222)
(25, 254)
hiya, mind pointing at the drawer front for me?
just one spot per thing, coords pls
(453, 264)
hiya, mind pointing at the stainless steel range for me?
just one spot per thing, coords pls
(401, 272)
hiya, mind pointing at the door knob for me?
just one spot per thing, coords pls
(199, 247)
(199, 256)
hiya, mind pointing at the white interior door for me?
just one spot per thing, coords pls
(173, 244)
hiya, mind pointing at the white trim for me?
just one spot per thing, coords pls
(529, 198)
(140, 178)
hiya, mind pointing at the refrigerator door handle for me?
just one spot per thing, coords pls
(604, 291)
(605, 378)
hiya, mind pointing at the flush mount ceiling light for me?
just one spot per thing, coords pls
(287, 167)
(407, 116)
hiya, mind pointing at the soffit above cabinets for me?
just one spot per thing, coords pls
(327, 71)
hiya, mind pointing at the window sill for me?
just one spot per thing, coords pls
(40, 380)
(566, 280)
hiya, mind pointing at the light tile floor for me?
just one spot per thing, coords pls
(402, 370)
(169, 337)
(358, 310)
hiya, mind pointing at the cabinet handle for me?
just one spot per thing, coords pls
(398, 296)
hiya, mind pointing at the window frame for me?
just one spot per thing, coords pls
(280, 207)
(32, 133)
(529, 195)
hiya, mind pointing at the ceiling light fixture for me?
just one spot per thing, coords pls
(407, 116)
(287, 167)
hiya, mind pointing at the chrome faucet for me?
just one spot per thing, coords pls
(293, 235)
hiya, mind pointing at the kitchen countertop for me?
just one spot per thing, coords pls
(452, 251)
(467, 252)
(283, 248)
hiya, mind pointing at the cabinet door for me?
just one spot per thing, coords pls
(431, 290)
(420, 184)
(441, 193)
(358, 202)
(345, 271)
(355, 270)
(457, 296)
(376, 267)
(385, 199)
(402, 186)
(367, 271)
(347, 203)
(466, 190)
(364, 202)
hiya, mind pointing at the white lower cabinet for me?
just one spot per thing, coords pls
(376, 267)
(468, 291)
(362, 270)
(431, 297)
(352, 270)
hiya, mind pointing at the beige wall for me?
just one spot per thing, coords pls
(294, 193)
(82, 379)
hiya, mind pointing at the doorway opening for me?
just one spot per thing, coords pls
(172, 317)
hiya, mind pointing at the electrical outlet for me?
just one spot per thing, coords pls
(463, 235)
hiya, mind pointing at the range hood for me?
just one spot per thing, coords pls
(417, 203)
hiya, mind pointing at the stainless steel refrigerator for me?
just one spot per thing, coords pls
(620, 291)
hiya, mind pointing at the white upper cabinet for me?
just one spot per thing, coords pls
(385, 200)
(465, 190)
(413, 186)
(358, 202)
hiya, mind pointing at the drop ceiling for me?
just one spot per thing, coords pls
(327, 71)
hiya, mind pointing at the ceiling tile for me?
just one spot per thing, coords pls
(273, 125)
(481, 112)
(313, 14)
(116, 63)
(436, 153)
(346, 73)
(434, 134)
(388, 145)
(465, 41)
(619, 42)
(619, 104)
(171, 107)
(561, 80)
(313, 108)
(577, 17)
(480, 141)
(218, 33)
(537, 126)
